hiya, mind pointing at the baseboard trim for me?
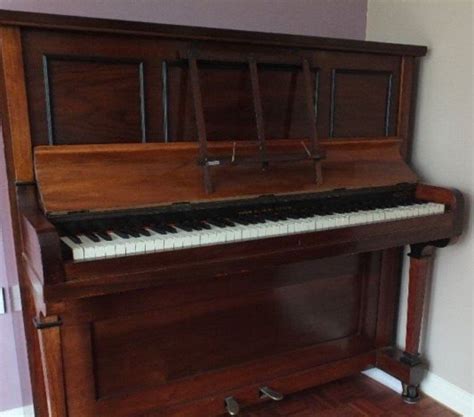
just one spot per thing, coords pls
(26, 411)
(445, 392)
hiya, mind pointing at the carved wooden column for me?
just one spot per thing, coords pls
(49, 330)
(421, 263)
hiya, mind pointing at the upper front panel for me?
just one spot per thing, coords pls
(89, 88)
(97, 99)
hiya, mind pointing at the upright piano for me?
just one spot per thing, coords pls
(206, 220)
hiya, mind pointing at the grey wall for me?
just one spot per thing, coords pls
(333, 18)
(443, 155)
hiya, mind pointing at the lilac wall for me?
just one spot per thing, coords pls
(14, 386)
(331, 18)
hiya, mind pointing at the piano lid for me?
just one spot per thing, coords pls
(123, 176)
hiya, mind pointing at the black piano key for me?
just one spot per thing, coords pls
(197, 226)
(122, 234)
(228, 222)
(223, 222)
(104, 236)
(72, 232)
(75, 239)
(184, 226)
(204, 225)
(163, 228)
(158, 229)
(137, 226)
(161, 231)
(132, 232)
(259, 218)
(247, 220)
(169, 228)
(216, 222)
(92, 236)
(275, 216)
(143, 232)
(241, 221)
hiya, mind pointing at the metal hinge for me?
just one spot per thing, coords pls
(3, 301)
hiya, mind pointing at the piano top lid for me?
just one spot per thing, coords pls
(78, 178)
(75, 23)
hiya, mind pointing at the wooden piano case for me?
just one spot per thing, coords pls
(193, 344)
(104, 115)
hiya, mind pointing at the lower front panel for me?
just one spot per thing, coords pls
(215, 336)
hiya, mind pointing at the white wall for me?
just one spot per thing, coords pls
(443, 155)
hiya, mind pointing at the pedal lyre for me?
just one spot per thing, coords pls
(232, 406)
(267, 392)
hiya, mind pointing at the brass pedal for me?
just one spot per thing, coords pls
(232, 406)
(267, 392)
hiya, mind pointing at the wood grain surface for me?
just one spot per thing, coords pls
(15, 118)
(113, 100)
(107, 177)
(357, 396)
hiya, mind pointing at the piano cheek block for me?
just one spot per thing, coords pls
(250, 268)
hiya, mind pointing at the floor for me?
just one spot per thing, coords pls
(357, 396)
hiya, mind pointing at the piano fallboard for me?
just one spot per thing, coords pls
(87, 178)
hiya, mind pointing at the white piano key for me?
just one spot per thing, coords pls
(89, 247)
(130, 246)
(159, 242)
(119, 244)
(237, 232)
(273, 229)
(139, 245)
(341, 220)
(109, 248)
(169, 242)
(307, 225)
(369, 216)
(150, 244)
(379, 215)
(282, 228)
(253, 231)
(77, 250)
(156, 242)
(263, 229)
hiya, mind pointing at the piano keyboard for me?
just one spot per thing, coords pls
(134, 239)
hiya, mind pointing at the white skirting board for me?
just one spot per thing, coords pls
(437, 388)
(26, 411)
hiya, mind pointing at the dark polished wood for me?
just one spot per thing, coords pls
(49, 331)
(139, 89)
(357, 396)
(104, 116)
(421, 264)
(15, 106)
(74, 23)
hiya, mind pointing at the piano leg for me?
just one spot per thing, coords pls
(49, 330)
(407, 365)
(421, 262)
